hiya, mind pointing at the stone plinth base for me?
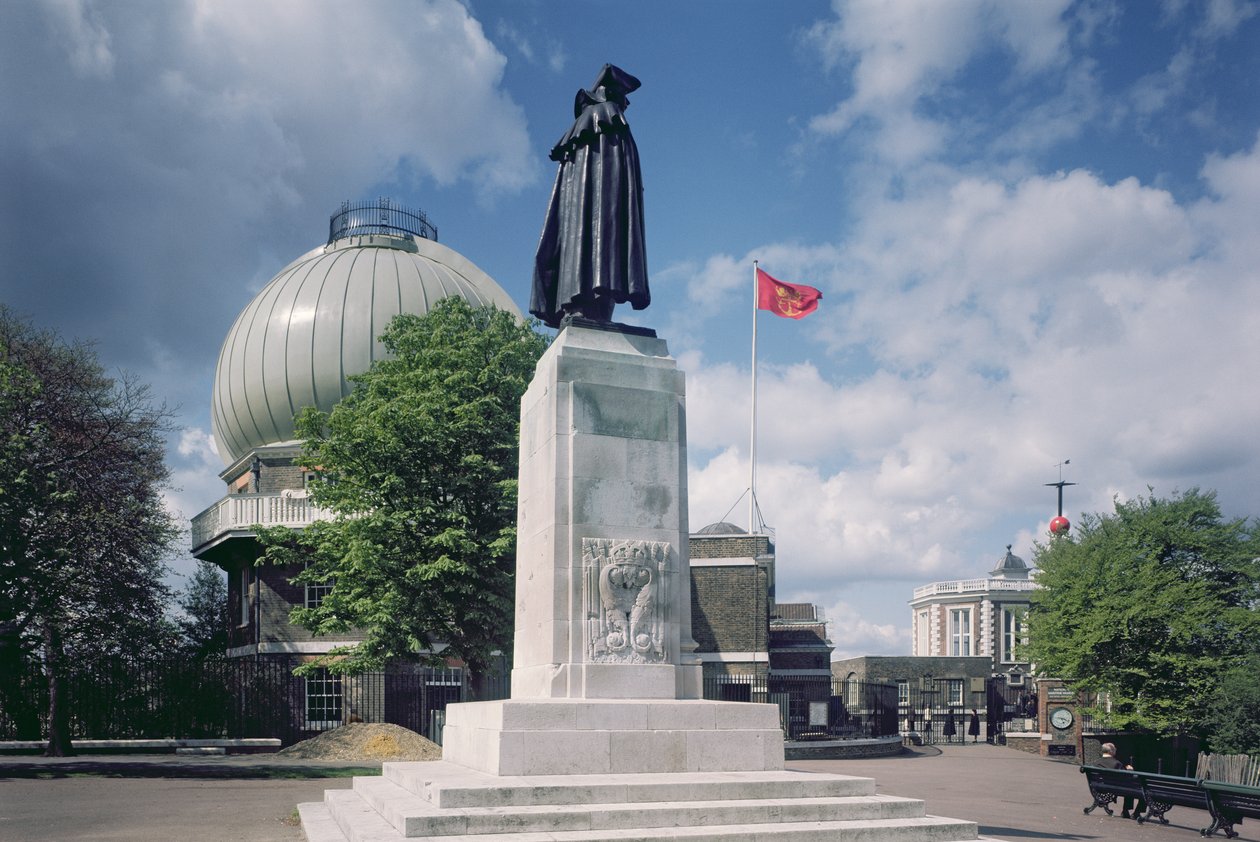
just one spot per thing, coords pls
(440, 801)
(593, 736)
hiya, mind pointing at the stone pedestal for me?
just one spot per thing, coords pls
(603, 603)
(605, 678)
(581, 737)
(606, 736)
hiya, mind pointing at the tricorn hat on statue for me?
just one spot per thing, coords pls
(614, 81)
(613, 78)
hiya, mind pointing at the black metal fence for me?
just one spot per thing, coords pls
(379, 217)
(815, 707)
(224, 698)
(944, 710)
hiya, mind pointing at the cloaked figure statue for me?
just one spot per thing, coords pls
(592, 253)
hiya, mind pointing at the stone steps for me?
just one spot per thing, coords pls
(447, 785)
(415, 817)
(438, 802)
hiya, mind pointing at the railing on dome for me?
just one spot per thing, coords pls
(379, 217)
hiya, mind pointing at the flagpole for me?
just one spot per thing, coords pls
(752, 426)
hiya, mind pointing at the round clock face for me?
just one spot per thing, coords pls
(1061, 718)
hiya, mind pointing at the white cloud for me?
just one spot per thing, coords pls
(1012, 325)
(853, 634)
(902, 53)
(428, 65)
(195, 465)
(1223, 17)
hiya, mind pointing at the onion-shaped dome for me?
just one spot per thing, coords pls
(318, 321)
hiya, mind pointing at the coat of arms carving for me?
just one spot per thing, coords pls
(624, 587)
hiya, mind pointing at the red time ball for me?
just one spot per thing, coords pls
(1060, 525)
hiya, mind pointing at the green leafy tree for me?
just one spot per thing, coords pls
(83, 528)
(1152, 605)
(1232, 724)
(205, 613)
(418, 466)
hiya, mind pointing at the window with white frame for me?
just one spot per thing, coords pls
(1014, 632)
(903, 691)
(954, 692)
(316, 591)
(323, 700)
(960, 632)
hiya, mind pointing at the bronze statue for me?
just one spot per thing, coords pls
(591, 254)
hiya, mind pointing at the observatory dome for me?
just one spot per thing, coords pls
(722, 528)
(318, 320)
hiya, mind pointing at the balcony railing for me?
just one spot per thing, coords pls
(241, 512)
(974, 586)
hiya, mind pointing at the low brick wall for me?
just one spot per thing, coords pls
(854, 749)
(1028, 742)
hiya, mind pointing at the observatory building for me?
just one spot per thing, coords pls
(977, 617)
(310, 328)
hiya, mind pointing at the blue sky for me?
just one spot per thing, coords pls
(1034, 225)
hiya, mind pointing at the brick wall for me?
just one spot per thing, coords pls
(715, 669)
(730, 608)
(730, 546)
(279, 473)
(800, 660)
(279, 596)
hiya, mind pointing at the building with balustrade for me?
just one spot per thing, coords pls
(983, 617)
(315, 324)
(965, 656)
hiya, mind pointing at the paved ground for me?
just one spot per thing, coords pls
(1014, 796)
(160, 798)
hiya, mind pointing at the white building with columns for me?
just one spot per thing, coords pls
(976, 617)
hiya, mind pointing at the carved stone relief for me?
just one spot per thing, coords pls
(624, 591)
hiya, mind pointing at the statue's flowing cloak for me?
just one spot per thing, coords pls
(592, 242)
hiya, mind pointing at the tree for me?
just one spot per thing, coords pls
(83, 528)
(203, 625)
(1151, 605)
(1232, 724)
(418, 465)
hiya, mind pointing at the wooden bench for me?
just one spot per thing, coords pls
(1228, 804)
(1106, 785)
(1163, 792)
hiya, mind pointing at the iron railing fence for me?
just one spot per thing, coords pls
(379, 217)
(815, 707)
(234, 698)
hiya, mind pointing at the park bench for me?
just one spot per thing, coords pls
(1229, 803)
(1163, 792)
(1106, 785)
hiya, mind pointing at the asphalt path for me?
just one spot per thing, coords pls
(1012, 795)
(160, 798)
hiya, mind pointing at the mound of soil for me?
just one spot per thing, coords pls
(365, 741)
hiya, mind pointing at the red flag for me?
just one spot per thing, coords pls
(792, 301)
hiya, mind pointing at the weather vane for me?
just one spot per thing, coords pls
(1060, 525)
